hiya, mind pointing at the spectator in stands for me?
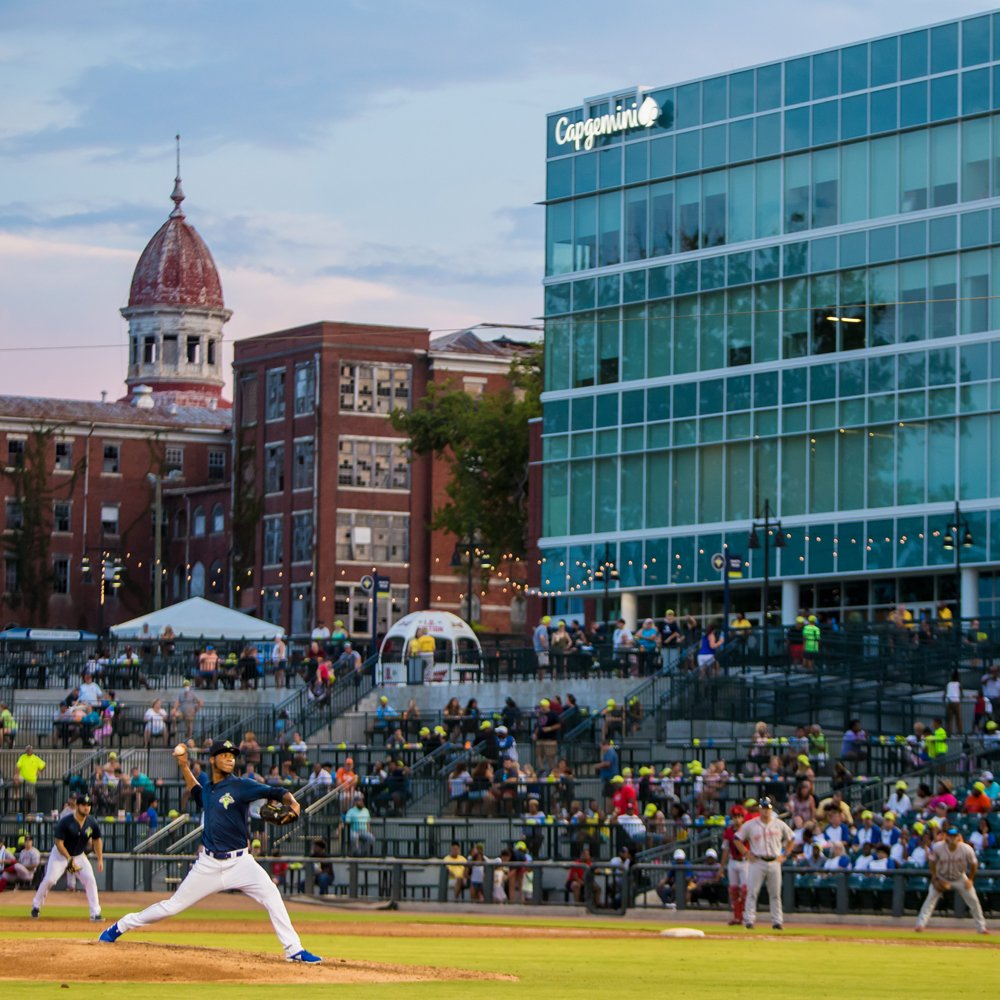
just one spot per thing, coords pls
(838, 860)
(992, 786)
(298, 748)
(943, 796)
(921, 797)
(458, 788)
(576, 879)
(347, 664)
(322, 870)
(546, 735)
(143, 790)
(208, 668)
(867, 832)
(667, 888)
(250, 749)
(357, 821)
(470, 719)
(918, 849)
(899, 801)
(155, 724)
(506, 744)
(953, 704)
(982, 838)
(457, 867)
(185, 709)
(760, 748)
(90, 690)
(608, 766)
(27, 768)
(540, 646)
(802, 805)
(8, 726)
(854, 745)
(819, 750)
(977, 802)
(836, 830)
(28, 860)
(250, 667)
(632, 827)
(451, 717)
(511, 714)
(612, 720)
(320, 781)
(649, 641)
(560, 645)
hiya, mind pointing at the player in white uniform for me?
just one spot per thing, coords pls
(226, 861)
(953, 865)
(767, 839)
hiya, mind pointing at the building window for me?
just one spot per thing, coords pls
(62, 516)
(178, 583)
(373, 463)
(193, 351)
(271, 607)
(364, 536)
(11, 576)
(272, 541)
(302, 536)
(218, 519)
(149, 350)
(170, 350)
(276, 394)
(15, 452)
(274, 468)
(301, 608)
(374, 388)
(112, 458)
(305, 388)
(304, 466)
(109, 519)
(15, 515)
(212, 353)
(197, 582)
(64, 456)
(198, 522)
(173, 460)
(216, 465)
(180, 523)
(247, 400)
(216, 578)
(60, 575)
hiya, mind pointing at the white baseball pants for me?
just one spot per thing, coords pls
(738, 873)
(57, 864)
(969, 895)
(208, 876)
(762, 872)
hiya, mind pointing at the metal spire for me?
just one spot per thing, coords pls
(178, 193)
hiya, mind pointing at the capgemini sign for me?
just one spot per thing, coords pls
(582, 134)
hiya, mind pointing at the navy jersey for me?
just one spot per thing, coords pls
(226, 806)
(77, 838)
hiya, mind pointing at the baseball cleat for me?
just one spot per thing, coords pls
(304, 956)
(34, 913)
(96, 918)
(776, 927)
(110, 935)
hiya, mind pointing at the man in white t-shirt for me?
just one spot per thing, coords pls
(899, 802)
(768, 840)
(953, 865)
(90, 690)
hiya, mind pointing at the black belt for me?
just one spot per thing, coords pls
(225, 856)
(759, 858)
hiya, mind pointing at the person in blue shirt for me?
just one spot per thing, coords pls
(225, 862)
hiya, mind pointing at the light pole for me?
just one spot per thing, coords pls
(466, 552)
(957, 536)
(112, 571)
(157, 483)
(753, 542)
(605, 572)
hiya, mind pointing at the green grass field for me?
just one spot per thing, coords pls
(836, 962)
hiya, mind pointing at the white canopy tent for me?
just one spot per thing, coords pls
(197, 618)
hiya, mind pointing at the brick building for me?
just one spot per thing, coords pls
(337, 495)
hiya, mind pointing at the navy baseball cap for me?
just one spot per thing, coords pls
(765, 803)
(83, 800)
(223, 746)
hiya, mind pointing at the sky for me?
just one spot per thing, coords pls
(343, 159)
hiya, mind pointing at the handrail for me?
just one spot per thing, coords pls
(143, 846)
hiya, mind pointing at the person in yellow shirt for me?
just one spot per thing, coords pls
(457, 868)
(944, 617)
(425, 650)
(29, 765)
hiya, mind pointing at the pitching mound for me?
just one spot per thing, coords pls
(139, 962)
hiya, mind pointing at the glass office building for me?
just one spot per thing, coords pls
(780, 285)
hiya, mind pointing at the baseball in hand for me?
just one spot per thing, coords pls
(180, 750)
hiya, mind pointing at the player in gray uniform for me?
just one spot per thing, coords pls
(953, 865)
(225, 861)
(767, 840)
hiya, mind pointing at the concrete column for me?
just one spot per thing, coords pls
(628, 606)
(970, 593)
(789, 601)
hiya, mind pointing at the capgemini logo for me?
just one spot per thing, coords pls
(582, 134)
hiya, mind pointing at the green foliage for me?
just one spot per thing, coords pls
(484, 441)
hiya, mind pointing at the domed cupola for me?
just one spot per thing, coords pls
(175, 316)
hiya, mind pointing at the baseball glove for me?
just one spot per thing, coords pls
(277, 813)
(72, 867)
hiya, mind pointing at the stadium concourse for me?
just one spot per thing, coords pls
(605, 781)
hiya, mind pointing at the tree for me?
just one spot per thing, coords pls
(484, 441)
(27, 540)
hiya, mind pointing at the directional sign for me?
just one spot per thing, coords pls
(383, 586)
(735, 569)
